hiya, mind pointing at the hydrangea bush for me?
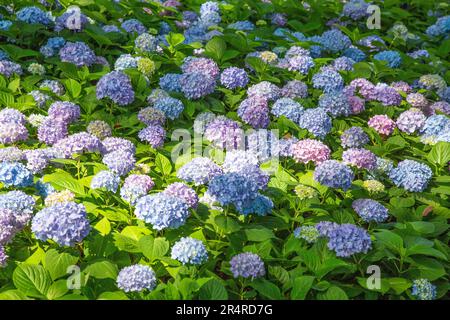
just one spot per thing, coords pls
(261, 149)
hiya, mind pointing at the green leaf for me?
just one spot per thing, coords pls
(301, 286)
(153, 248)
(213, 290)
(390, 240)
(102, 270)
(103, 226)
(267, 289)
(440, 153)
(57, 290)
(32, 280)
(398, 284)
(163, 164)
(73, 87)
(259, 234)
(227, 224)
(126, 243)
(333, 293)
(116, 295)
(57, 263)
(174, 39)
(215, 48)
(13, 295)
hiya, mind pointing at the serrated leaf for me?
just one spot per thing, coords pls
(32, 280)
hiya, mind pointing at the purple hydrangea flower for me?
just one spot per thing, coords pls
(310, 150)
(111, 144)
(64, 111)
(254, 111)
(265, 89)
(12, 132)
(52, 130)
(232, 78)
(335, 103)
(354, 137)
(334, 174)
(360, 158)
(294, 89)
(197, 85)
(133, 25)
(348, 239)
(224, 133)
(200, 65)
(78, 143)
(120, 161)
(325, 227)
(370, 210)
(77, 53)
(136, 186)
(247, 265)
(116, 86)
(382, 124)
(154, 135)
(411, 120)
(184, 192)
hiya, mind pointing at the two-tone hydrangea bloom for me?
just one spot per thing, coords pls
(417, 100)
(188, 250)
(441, 106)
(196, 85)
(294, 89)
(65, 223)
(347, 239)
(316, 121)
(34, 15)
(99, 128)
(77, 53)
(224, 133)
(335, 103)
(78, 143)
(232, 78)
(171, 107)
(328, 79)
(111, 144)
(199, 171)
(370, 210)
(64, 111)
(154, 135)
(119, 161)
(136, 278)
(107, 180)
(15, 174)
(8, 226)
(373, 186)
(133, 25)
(36, 69)
(247, 265)
(432, 82)
(184, 192)
(125, 61)
(307, 150)
(136, 186)
(360, 158)
(304, 192)
(411, 175)
(146, 66)
(254, 111)
(308, 233)
(334, 174)
(20, 203)
(162, 211)
(401, 86)
(435, 126)
(382, 124)
(116, 86)
(411, 120)
(287, 107)
(73, 19)
(200, 65)
(423, 289)
(233, 188)
(145, 43)
(59, 197)
(265, 89)
(354, 137)
(11, 154)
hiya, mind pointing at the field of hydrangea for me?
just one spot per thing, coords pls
(238, 149)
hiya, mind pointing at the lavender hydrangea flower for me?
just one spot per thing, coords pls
(3, 256)
(133, 25)
(99, 128)
(52, 130)
(152, 116)
(355, 9)
(107, 180)
(37, 159)
(65, 223)
(154, 135)
(348, 239)
(224, 133)
(254, 111)
(328, 79)
(15, 174)
(120, 161)
(247, 265)
(9, 115)
(199, 171)
(354, 137)
(162, 211)
(370, 210)
(188, 250)
(54, 86)
(411, 120)
(11, 154)
(360, 158)
(232, 78)
(11, 132)
(111, 144)
(136, 278)
(200, 65)
(417, 100)
(78, 143)
(202, 120)
(136, 186)
(335, 103)
(8, 226)
(300, 63)
(196, 85)
(310, 150)
(325, 227)
(125, 61)
(294, 89)
(20, 203)
(382, 124)
(77, 53)
(423, 289)
(316, 121)
(266, 90)
(116, 86)
(64, 111)
(334, 174)
(411, 175)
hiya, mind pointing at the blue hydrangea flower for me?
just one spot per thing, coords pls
(328, 79)
(189, 251)
(355, 9)
(316, 121)
(120, 161)
(334, 40)
(66, 223)
(15, 174)
(162, 211)
(266, 90)
(133, 25)
(136, 278)
(171, 107)
(308, 233)
(111, 144)
(153, 134)
(335, 103)
(411, 175)
(34, 15)
(242, 25)
(354, 137)
(107, 180)
(196, 85)
(289, 108)
(354, 54)
(199, 171)
(393, 58)
(348, 239)
(125, 61)
(441, 27)
(77, 53)
(334, 174)
(170, 82)
(233, 78)
(247, 265)
(116, 86)
(370, 210)
(146, 43)
(423, 289)
(324, 228)
(260, 206)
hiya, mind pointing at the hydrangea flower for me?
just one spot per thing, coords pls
(370, 210)
(411, 120)
(200, 65)
(65, 223)
(154, 135)
(373, 186)
(224, 133)
(334, 40)
(294, 89)
(354, 137)
(308, 233)
(78, 143)
(393, 58)
(133, 25)
(99, 128)
(8, 68)
(254, 111)
(64, 111)
(125, 61)
(196, 85)
(162, 211)
(316, 121)
(382, 124)
(232, 78)
(116, 86)
(335, 103)
(20, 203)
(136, 278)
(11, 154)
(15, 174)
(146, 43)
(334, 174)
(34, 15)
(423, 289)
(77, 53)
(265, 89)
(59, 197)
(54, 86)
(136, 186)
(12, 132)
(111, 144)
(260, 206)
(310, 150)
(171, 107)
(188, 250)
(411, 175)
(199, 171)
(360, 158)
(52, 130)
(107, 180)
(184, 192)
(119, 161)
(328, 79)
(202, 120)
(247, 265)
(348, 239)
(170, 82)
(304, 192)
(289, 108)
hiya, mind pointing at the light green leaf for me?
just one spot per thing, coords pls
(32, 280)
